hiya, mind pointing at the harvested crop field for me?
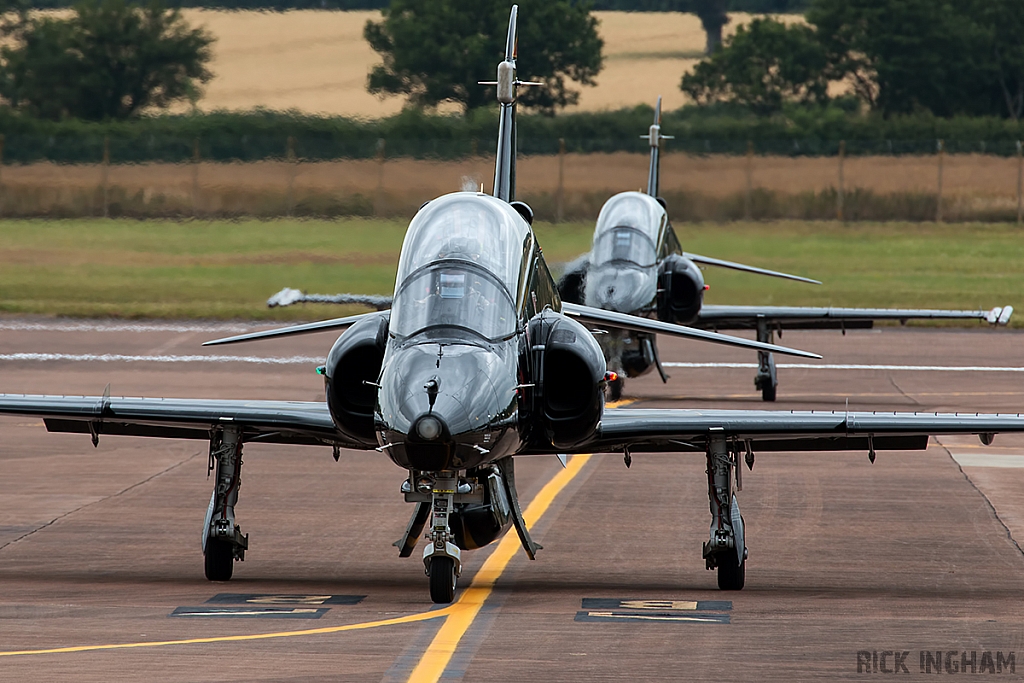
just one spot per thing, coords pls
(698, 187)
(317, 61)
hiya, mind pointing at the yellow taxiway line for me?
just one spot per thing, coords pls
(460, 614)
(464, 611)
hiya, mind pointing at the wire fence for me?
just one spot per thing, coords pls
(86, 148)
(714, 179)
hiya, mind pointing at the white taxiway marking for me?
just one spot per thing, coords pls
(68, 326)
(122, 358)
(988, 460)
(824, 366)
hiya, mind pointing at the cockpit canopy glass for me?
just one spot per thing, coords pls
(461, 266)
(453, 295)
(628, 230)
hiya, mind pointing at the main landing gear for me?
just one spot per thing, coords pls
(223, 542)
(767, 379)
(725, 550)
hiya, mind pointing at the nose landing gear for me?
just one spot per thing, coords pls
(442, 559)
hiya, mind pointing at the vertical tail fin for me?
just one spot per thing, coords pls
(505, 159)
(655, 137)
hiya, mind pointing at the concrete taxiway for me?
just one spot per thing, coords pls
(101, 574)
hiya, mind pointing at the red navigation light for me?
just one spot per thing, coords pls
(611, 376)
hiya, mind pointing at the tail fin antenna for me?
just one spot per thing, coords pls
(655, 137)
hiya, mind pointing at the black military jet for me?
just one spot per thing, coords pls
(479, 362)
(637, 266)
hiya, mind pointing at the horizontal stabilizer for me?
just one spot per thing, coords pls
(708, 261)
(622, 321)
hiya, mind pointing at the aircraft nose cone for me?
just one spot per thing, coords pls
(429, 427)
(437, 405)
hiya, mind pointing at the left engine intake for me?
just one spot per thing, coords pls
(569, 368)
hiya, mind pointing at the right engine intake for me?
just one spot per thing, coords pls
(351, 374)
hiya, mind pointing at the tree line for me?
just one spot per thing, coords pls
(947, 58)
(753, 6)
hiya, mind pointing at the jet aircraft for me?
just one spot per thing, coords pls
(479, 362)
(637, 266)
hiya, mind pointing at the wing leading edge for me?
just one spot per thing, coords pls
(293, 422)
(798, 317)
(674, 430)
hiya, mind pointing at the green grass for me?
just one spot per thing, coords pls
(227, 269)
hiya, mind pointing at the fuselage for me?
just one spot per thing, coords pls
(470, 277)
(631, 237)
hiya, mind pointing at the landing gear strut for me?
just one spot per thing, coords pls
(725, 549)
(223, 541)
(766, 380)
(442, 559)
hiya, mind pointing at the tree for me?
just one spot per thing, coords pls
(713, 18)
(760, 67)
(1003, 24)
(109, 60)
(907, 55)
(436, 51)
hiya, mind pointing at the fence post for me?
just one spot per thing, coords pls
(938, 195)
(1020, 182)
(378, 198)
(747, 200)
(841, 195)
(560, 196)
(195, 177)
(106, 176)
(292, 167)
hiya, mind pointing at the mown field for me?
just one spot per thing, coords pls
(227, 269)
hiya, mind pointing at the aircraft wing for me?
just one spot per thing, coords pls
(674, 430)
(808, 318)
(602, 318)
(308, 328)
(732, 265)
(294, 422)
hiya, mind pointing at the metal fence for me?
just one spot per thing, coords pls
(271, 175)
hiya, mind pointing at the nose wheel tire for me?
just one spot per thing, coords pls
(442, 579)
(220, 560)
(768, 393)
(731, 572)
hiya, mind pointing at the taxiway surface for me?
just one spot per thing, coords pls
(915, 553)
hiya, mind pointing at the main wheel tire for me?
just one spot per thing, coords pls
(220, 560)
(615, 389)
(731, 573)
(768, 393)
(442, 580)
